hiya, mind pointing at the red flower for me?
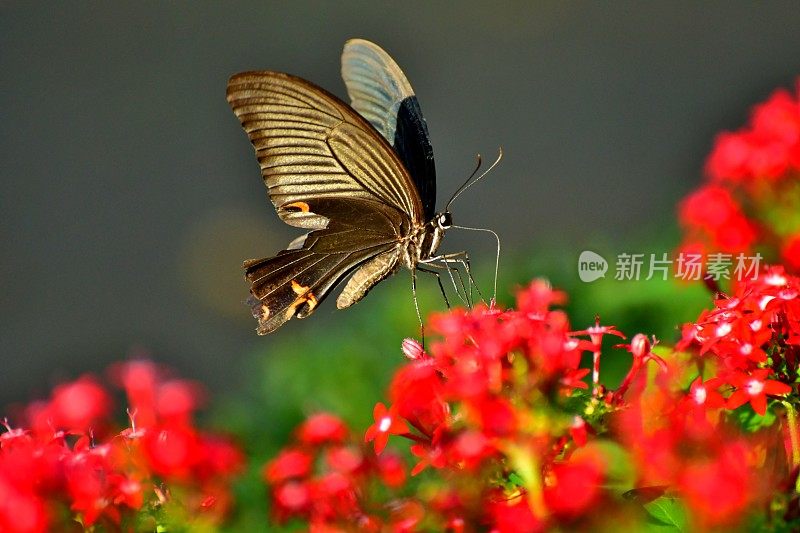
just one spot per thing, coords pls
(572, 487)
(344, 459)
(429, 454)
(495, 417)
(718, 489)
(778, 118)
(21, 511)
(511, 452)
(709, 207)
(736, 235)
(752, 194)
(176, 400)
(728, 159)
(172, 451)
(51, 478)
(765, 149)
(578, 431)
(705, 394)
(791, 252)
(219, 457)
(513, 516)
(130, 491)
(392, 469)
(294, 497)
(469, 449)
(81, 406)
(417, 394)
(597, 331)
(139, 378)
(386, 423)
(322, 428)
(754, 388)
(537, 298)
(573, 379)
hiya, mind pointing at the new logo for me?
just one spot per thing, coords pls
(591, 266)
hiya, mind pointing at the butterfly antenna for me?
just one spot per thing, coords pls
(497, 257)
(478, 163)
(467, 184)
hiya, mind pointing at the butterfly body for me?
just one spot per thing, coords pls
(361, 178)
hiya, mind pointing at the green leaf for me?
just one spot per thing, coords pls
(515, 479)
(620, 471)
(666, 514)
(750, 421)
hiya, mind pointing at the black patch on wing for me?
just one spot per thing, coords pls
(413, 145)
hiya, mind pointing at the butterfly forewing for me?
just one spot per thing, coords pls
(381, 93)
(310, 144)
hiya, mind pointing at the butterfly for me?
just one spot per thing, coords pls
(361, 177)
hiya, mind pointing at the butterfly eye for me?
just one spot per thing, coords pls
(445, 220)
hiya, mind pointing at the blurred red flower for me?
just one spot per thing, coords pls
(74, 457)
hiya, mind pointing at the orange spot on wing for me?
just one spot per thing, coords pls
(302, 206)
(304, 296)
(297, 288)
(311, 301)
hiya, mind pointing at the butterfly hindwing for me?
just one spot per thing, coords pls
(381, 93)
(294, 283)
(297, 280)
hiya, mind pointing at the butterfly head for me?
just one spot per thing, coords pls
(444, 220)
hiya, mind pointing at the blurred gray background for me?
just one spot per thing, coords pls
(130, 196)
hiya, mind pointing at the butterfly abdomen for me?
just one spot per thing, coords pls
(367, 276)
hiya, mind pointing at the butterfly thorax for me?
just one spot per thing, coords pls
(425, 239)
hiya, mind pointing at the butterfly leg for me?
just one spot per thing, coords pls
(464, 298)
(461, 258)
(467, 298)
(439, 280)
(497, 256)
(471, 282)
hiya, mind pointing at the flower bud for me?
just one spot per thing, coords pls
(413, 349)
(640, 345)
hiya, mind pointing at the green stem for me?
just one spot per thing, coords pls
(794, 437)
(528, 468)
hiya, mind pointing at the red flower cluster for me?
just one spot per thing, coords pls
(753, 197)
(715, 218)
(753, 339)
(767, 148)
(71, 464)
(323, 478)
(498, 416)
(512, 430)
(722, 458)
